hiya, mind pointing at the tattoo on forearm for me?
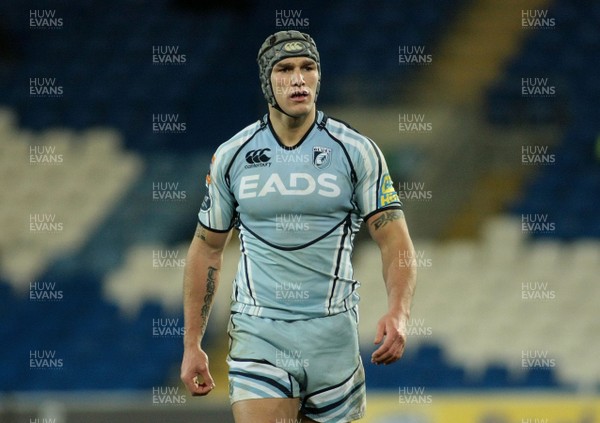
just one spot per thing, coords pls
(208, 297)
(387, 217)
(201, 233)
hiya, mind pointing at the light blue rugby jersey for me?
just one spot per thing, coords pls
(297, 210)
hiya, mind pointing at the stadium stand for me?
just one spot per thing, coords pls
(55, 206)
(563, 59)
(505, 300)
(102, 262)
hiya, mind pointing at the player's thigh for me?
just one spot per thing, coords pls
(266, 410)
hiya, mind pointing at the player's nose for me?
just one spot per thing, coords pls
(297, 78)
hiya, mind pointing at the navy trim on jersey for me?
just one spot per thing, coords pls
(245, 257)
(295, 247)
(346, 124)
(379, 170)
(353, 173)
(395, 207)
(299, 143)
(353, 176)
(340, 253)
(219, 231)
(379, 167)
(226, 177)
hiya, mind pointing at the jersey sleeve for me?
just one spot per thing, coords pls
(374, 187)
(217, 211)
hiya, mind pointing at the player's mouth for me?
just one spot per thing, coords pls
(299, 96)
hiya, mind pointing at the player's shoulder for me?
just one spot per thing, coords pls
(229, 148)
(348, 136)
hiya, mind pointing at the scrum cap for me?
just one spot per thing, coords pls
(279, 46)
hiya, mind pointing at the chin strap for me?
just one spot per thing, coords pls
(277, 107)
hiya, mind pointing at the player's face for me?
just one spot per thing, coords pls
(294, 81)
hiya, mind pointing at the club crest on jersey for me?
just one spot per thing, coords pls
(387, 194)
(321, 157)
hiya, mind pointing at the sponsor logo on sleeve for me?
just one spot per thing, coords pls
(387, 194)
(206, 203)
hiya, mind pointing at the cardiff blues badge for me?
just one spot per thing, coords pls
(321, 157)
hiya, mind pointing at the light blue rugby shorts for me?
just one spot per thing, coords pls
(316, 360)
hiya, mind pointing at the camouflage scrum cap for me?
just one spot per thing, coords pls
(279, 46)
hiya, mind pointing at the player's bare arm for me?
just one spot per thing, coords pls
(200, 282)
(388, 229)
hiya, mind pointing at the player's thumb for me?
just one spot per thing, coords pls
(206, 376)
(380, 333)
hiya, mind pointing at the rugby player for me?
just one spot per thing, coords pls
(297, 184)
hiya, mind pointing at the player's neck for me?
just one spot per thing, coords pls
(290, 130)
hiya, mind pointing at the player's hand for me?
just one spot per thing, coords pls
(194, 371)
(392, 331)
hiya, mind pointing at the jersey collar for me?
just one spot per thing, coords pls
(320, 119)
